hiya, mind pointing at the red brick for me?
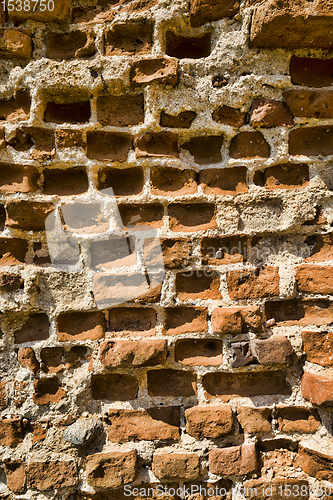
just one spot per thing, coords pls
(58, 15)
(131, 320)
(318, 347)
(168, 181)
(160, 70)
(198, 286)
(51, 474)
(64, 182)
(209, 422)
(155, 144)
(229, 116)
(182, 120)
(285, 176)
(51, 359)
(270, 113)
(177, 254)
(227, 181)
(223, 250)
(249, 145)
(67, 112)
(47, 390)
(75, 356)
(35, 328)
(17, 108)
(150, 424)
(311, 72)
(81, 326)
(83, 218)
(11, 432)
(11, 282)
(167, 383)
(114, 387)
(228, 385)
(3, 395)
(15, 44)
(127, 353)
(124, 181)
(205, 149)
(274, 350)
(40, 428)
(187, 47)
(111, 470)
(181, 319)
(15, 475)
(176, 466)
(302, 312)
(255, 283)
(314, 279)
(310, 103)
(277, 488)
(254, 420)
(203, 11)
(322, 249)
(42, 139)
(26, 215)
(112, 146)
(17, 178)
(128, 39)
(69, 138)
(295, 419)
(27, 359)
(66, 46)
(291, 25)
(317, 388)
(316, 464)
(120, 110)
(311, 141)
(192, 217)
(234, 461)
(236, 320)
(146, 215)
(199, 352)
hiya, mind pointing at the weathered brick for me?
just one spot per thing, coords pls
(83, 218)
(11, 282)
(124, 182)
(114, 387)
(275, 488)
(15, 44)
(160, 70)
(255, 283)
(249, 145)
(270, 113)
(311, 72)
(48, 475)
(69, 138)
(11, 432)
(227, 181)
(236, 320)
(310, 103)
(191, 217)
(112, 146)
(65, 182)
(254, 420)
(317, 388)
(302, 312)
(146, 215)
(296, 419)
(155, 144)
(209, 422)
(58, 14)
(292, 24)
(111, 470)
(120, 110)
(176, 466)
(199, 352)
(47, 390)
(223, 250)
(131, 320)
(314, 279)
(180, 320)
(3, 394)
(285, 176)
(229, 116)
(318, 347)
(26, 215)
(75, 356)
(228, 385)
(316, 464)
(187, 47)
(181, 120)
(51, 359)
(149, 424)
(17, 178)
(168, 181)
(235, 460)
(322, 247)
(27, 358)
(66, 46)
(203, 11)
(197, 285)
(81, 326)
(169, 382)
(15, 475)
(176, 253)
(128, 39)
(42, 139)
(274, 350)
(143, 352)
(311, 141)
(35, 328)
(205, 149)
(17, 108)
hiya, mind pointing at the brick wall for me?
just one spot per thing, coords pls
(211, 122)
